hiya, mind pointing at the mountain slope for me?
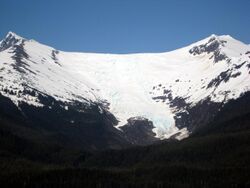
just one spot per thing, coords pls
(147, 96)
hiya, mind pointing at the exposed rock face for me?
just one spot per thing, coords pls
(211, 47)
(138, 131)
(10, 40)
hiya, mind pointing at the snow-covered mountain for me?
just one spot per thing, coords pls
(160, 89)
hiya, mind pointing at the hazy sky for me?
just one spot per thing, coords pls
(124, 26)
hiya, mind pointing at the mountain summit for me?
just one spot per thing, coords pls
(10, 40)
(128, 99)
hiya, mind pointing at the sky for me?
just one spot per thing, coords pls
(124, 26)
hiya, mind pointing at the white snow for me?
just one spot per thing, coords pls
(126, 81)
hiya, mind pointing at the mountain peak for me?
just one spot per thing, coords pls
(11, 34)
(10, 39)
(220, 36)
(210, 44)
(222, 45)
(213, 45)
(213, 36)
(221, 39)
